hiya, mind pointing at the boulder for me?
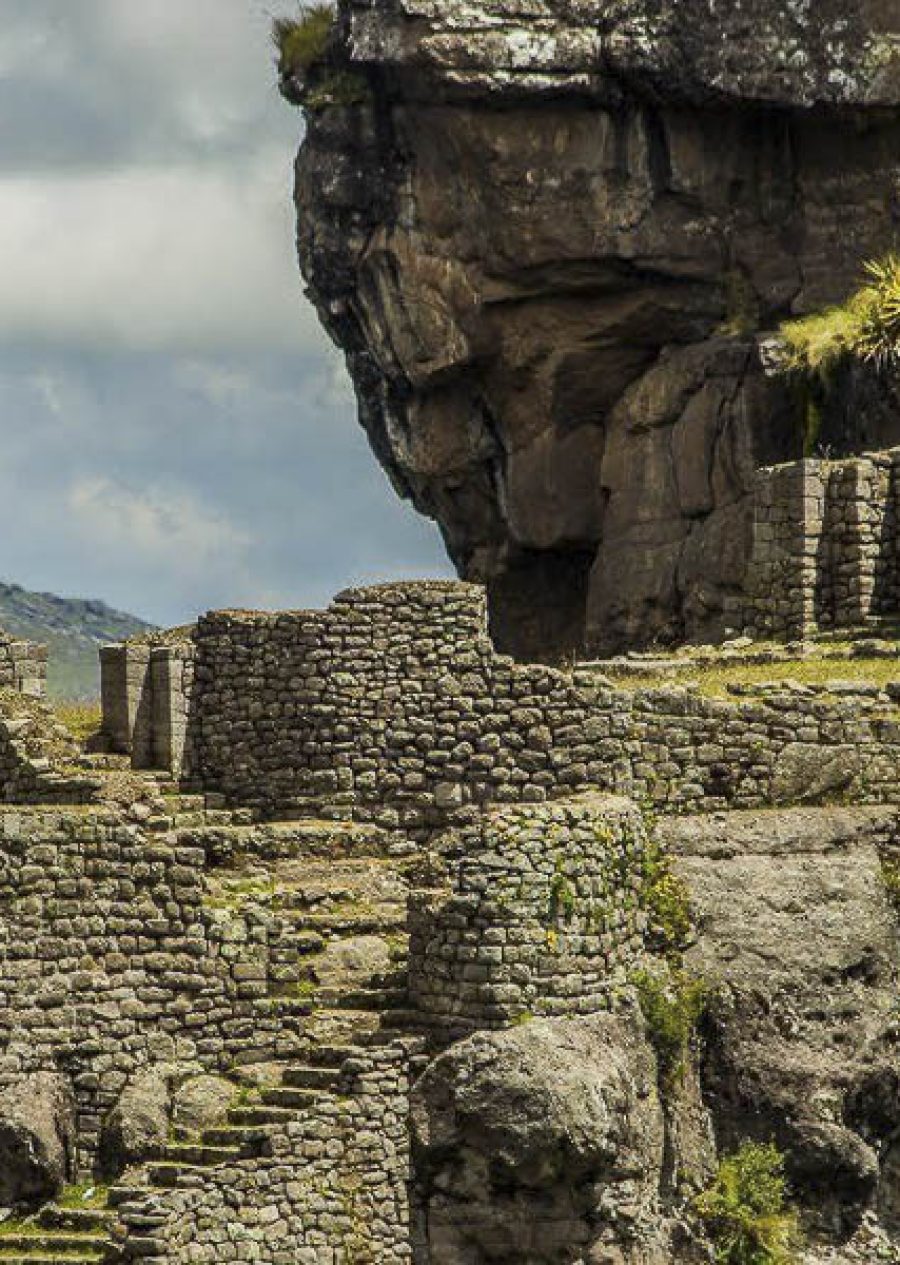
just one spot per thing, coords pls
(542, 1141)
(37, 1137)
(138, 1126)
(201, 1102)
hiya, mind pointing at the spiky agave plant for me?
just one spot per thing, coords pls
(865, 328)
(879, 312)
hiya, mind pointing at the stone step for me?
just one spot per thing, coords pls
(122, 1194)
(199, 1155)
(247, 1139)
(337, 921)
(259, 1116)
(165, 1175)
(300, 1077)
(379, 999)
(56, 1243)
(38, 1256)
(332, 1056)
(96, 1220)
(295, 1099)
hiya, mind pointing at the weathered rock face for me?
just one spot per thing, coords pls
(37, 1130)
(550, 244)
(543, 1144)
(798, 939)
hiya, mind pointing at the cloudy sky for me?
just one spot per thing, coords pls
(178, 434)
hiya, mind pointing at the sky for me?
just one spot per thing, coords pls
(178, 434)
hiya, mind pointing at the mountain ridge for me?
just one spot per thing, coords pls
(73, 628)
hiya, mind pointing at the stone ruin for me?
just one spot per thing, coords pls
(351, 939)
(327, 951)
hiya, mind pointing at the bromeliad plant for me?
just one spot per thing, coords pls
(865, 328)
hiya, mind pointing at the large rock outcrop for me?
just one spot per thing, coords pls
(552, 238)
(798, 940)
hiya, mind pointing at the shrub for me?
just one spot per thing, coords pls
(672, 1006)
(746, 1210)
(890, 873)
(865, 328)
(302, 41)
(666, 899)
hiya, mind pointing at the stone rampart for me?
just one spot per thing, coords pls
(541, 915)
(393, 705)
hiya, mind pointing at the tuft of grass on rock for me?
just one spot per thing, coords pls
(746, 1210)
(865, 328)
(672, 1005)
(302, 41)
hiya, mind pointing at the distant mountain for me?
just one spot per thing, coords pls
(73, 628)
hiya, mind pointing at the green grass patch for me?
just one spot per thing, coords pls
(715, 679)
(86, 1195)
(746, 1210)
(890, 874)
(302, 41)
(81, 719)
(865, 328)
(672, 1005)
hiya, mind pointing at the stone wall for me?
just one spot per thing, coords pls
(541, 915)
(113, 956)
(333, 1189)
(826, 548)
(23, 665)
(393, 706)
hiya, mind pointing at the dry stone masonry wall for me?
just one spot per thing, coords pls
(23, 665)
(541, 915)
(826, 548)
(393, 706)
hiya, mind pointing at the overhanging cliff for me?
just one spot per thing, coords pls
(552, 236)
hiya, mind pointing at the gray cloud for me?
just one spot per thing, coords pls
(178, 433)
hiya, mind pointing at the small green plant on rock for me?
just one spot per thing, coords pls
(890, 874)
(866, 327)
(746, 1211)
(302, 41)
(306, 70)
(672, 1005)
(666, 900)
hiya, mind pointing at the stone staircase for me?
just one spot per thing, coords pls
(58, 1234)
(341, 893)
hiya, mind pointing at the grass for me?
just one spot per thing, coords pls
(865, 328)
(715, 679)
(890, 874)
(746, 1210)
(81, 719)
(87, 1195)
(302, 41)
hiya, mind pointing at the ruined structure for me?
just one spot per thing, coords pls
(554, 239)
(353, 940)
(353, 974)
